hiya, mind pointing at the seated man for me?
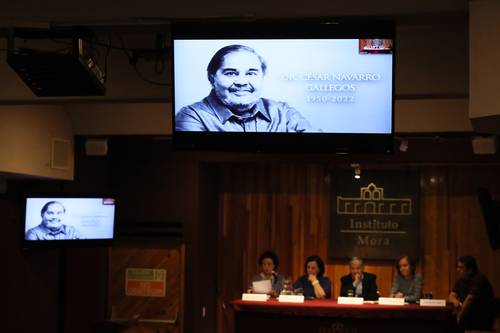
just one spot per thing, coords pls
(473, 297)
(52, 226)
(359, 283)
(236, 74)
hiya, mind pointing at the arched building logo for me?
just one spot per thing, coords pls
(371, 201)
(367, 221)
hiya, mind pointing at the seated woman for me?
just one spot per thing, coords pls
(269, 262)
(313, 283)
(407, 283)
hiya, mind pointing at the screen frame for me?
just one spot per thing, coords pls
(353, 28)
(490, 209)
(97, 242)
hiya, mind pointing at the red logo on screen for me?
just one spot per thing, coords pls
(108, 201)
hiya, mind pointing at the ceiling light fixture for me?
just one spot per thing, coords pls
(357, 170)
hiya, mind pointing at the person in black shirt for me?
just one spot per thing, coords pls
(473, 297)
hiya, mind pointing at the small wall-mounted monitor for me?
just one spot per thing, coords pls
(68, 220)
(294, 86)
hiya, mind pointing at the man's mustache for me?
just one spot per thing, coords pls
(249, 89)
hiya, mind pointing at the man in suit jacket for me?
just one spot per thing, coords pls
(360, 283)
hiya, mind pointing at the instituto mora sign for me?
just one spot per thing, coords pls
(375, 217)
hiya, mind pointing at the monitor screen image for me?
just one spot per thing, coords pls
(267, 84)
(302, 85)
(69, 219)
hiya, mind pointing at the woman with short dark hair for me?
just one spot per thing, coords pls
(269, 262)
(313, 283)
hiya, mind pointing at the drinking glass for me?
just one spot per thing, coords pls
(428, 294)
(299, 291)
(287, 287)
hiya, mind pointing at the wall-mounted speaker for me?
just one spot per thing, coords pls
(96, 147)
(491, 214)
(484, 145)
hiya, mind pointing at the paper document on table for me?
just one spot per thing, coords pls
(261, 287)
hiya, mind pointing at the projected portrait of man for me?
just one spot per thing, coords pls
(236, 74)
(52, 227)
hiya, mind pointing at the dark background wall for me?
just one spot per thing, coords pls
(224, 203)
(151, 184)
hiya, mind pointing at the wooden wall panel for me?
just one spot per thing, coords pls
(30, 279)
(286, 207)
(434, 233)
(158, 308)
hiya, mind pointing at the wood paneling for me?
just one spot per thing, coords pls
(285, 207)
(157, 308)
(31, 280)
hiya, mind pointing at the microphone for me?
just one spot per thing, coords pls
(274, 276)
